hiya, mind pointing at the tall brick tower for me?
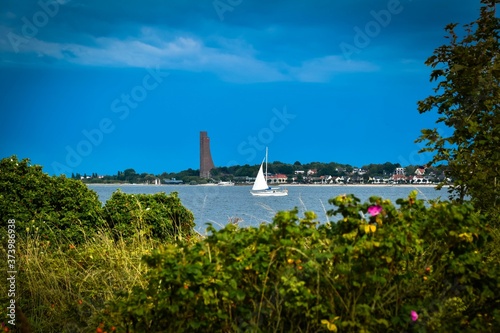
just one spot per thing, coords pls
(206, 163)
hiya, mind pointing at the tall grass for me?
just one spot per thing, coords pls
(64, 287)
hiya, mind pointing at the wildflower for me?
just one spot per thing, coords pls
(370, 228)
(414, 315)
(374, 210)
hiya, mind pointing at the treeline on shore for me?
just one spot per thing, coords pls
(241, 173)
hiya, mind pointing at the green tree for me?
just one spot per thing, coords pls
(467, 98)
(278, 167)
(327, 169)
(47, 207)
(159, 216)
(149, 178)
(130, 175)
(246, 170)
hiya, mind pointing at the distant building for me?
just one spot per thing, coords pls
(312, 172)
(206, 162)
(399, 171)
(420, 171)
(362, 172)
(399, 176)
(277, 179)
(420, 180)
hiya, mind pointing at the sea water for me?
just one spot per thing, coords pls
(220, 204)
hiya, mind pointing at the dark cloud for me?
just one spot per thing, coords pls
(289, 33)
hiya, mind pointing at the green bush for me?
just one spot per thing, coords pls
(54, 207)
(69, 261)
(160, 216)
(364, 273)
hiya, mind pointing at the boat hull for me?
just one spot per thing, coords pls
(269, 193)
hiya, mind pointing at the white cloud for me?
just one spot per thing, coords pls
(231, 59)
(323, 69)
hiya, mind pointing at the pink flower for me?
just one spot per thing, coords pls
(414, 315)
(374, 210)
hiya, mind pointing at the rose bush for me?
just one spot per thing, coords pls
(417, 267)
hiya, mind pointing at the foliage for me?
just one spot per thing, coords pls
(382, 169)
(362, 273)
(467, 99)
(159, 215)
(63, 287)
(57, 207)
(71, 256)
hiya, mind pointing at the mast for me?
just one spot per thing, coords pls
(266, 165)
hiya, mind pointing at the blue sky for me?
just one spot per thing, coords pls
(101, 86)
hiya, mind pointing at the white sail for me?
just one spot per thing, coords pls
(260, 187)
(260, 182)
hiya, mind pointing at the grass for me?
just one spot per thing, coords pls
(63, 288)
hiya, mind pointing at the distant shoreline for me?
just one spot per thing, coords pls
(367, 185)
(281, 185)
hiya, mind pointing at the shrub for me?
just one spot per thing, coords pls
(431, 260)
(160, 216)
(69, 262)
(56, 207)
(366, 272)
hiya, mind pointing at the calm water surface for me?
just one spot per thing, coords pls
(217, 204)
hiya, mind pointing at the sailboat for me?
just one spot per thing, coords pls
(260, 186)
